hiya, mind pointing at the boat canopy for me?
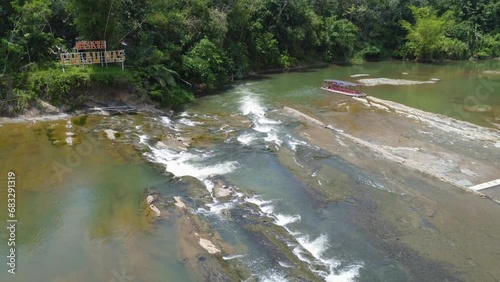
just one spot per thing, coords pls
(340, 82)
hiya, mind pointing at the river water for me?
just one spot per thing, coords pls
(358, 190)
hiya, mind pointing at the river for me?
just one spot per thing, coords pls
(274, 179)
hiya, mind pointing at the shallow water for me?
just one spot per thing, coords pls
(349, 214)
(451, 89)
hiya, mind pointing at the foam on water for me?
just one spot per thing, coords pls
(283, 219)
(142, 139)
(297, 251)
(344, 276)
(250, 106)
(273, 276)
(230, 257)
(284, 264)
(165, 120)
(258, 201)
(391, 81)
(209, 185)
(198, 164)
(246, 139)
(273, 137)
(292, 142)
(264, 120)
(262, 128)
(268, 209)
(360, 75)
(264, 206)
(316, 247)
(189, 122)
(218, 207)
(187, 164)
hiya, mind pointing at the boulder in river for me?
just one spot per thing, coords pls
(209, 246)
(110, 134)
(155, 206)
(155, 209)
(150, 199)
(222, 190)
(179, 203)
(196, 189)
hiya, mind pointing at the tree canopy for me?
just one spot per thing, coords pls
(208, 42)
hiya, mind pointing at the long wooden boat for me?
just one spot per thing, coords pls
(342, 87)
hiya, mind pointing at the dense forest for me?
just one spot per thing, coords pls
(173, 45)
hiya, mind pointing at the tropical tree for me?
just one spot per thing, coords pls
(29, 33)
(425, 37)
(340, 38)
(206, 63)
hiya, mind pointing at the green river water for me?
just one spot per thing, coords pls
(348, 214)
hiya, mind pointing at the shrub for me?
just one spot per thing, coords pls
(287, 61)
(207, 63)
(56, 85)
(490, 46)
(454, 48)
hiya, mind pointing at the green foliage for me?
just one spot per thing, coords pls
(207, 64)
(207, 42)
(29, 38)
(239, 55)
(453, 48)
(286, 61)
(426, 36)
(267, 49)
(340, 39)
(24, 97)
(94, 20)
(57, 86)
(371, 52)
(160, 84)
(80, 121)
(490, 46)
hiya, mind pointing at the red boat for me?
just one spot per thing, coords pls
(342, 87)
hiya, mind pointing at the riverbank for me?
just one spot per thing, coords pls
(118, 89)
(54, 93)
